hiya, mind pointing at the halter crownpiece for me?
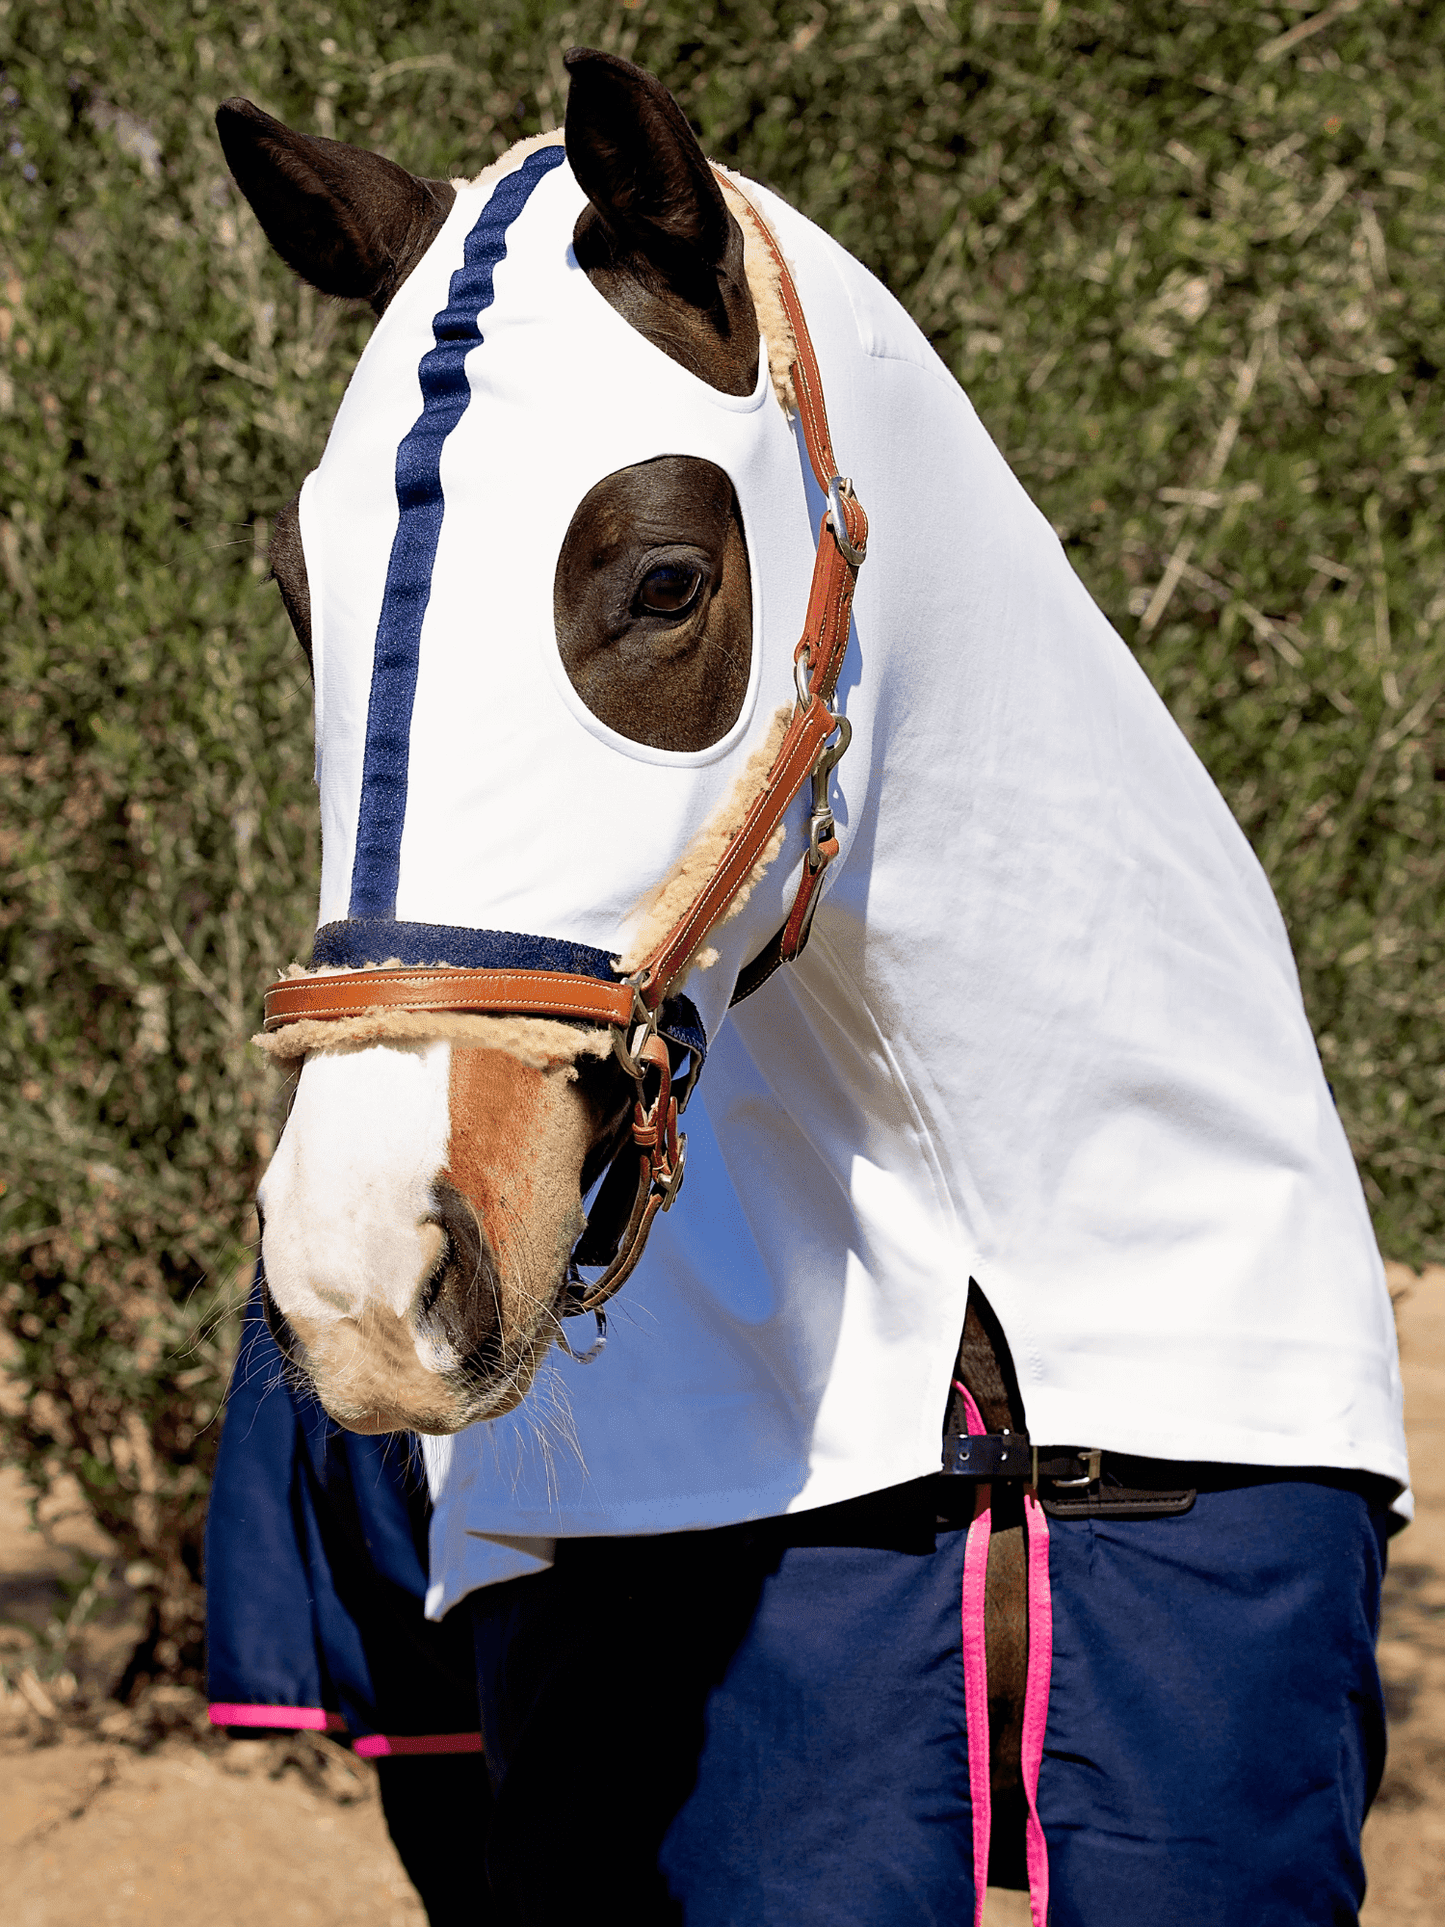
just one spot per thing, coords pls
(654, 1030)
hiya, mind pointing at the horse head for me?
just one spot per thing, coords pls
(548, 574)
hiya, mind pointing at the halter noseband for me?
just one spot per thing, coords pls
(651, 1031)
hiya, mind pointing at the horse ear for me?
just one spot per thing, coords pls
(350, 222)
(651, 189)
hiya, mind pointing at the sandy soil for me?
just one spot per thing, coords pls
(1405, 1833)
(146, 1820)
(94, 1832)
(144, 1816)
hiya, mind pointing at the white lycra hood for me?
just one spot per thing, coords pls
(1048, 1032)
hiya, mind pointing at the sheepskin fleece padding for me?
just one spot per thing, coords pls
(765, 284)
(665, 906)
(534, 1041)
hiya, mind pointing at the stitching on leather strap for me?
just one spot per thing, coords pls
(806, 379)
(537, 991)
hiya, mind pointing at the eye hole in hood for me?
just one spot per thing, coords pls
(652, 603)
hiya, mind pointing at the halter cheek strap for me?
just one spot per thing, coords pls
(816, 738)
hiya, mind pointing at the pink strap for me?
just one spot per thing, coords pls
(380, 1746)
(975, 1666)
(315, 1719)
(1036, 1703)
(292, 1719)
(1036, 1683)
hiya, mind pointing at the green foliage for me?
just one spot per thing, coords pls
(1187, 272)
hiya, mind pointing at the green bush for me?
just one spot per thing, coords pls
(1184, 257)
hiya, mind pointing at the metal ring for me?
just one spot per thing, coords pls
(595, 1349)
(838, 522)
(802, 677)
(625, 1046)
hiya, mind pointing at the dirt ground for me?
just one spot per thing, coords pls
(144, 1819)
(1405, 1833)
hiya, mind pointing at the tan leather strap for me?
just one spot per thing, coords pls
(825, 628)
(819, 657)
(807, 381)
(534, 993)
(662, 1155)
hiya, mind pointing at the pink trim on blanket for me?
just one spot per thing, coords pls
(380, 1746)
(975, 1666)
(313, 1719)
(1036, 1683)
(1036, 1703)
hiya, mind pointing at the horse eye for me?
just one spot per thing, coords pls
(669, 590)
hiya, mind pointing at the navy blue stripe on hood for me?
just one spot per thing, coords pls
(420, 504)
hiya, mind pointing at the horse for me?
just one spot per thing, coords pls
(1006, 1120)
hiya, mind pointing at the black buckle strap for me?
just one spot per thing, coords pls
(1076, 1482)
(1068, 1465)
(1072, 1481)
(987, 1455)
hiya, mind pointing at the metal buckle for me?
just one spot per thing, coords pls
(840, 486)
(674, 1180)
(829, 760)
(1092, 1459)
(626, 1046)
(821, 829)
(821, 824)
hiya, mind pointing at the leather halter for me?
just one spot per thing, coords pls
(632, 1006)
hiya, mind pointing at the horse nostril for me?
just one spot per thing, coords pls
(443, 1263)
(280, 1326)
(460, 1293)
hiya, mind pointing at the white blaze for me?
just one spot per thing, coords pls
(347, 1193)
